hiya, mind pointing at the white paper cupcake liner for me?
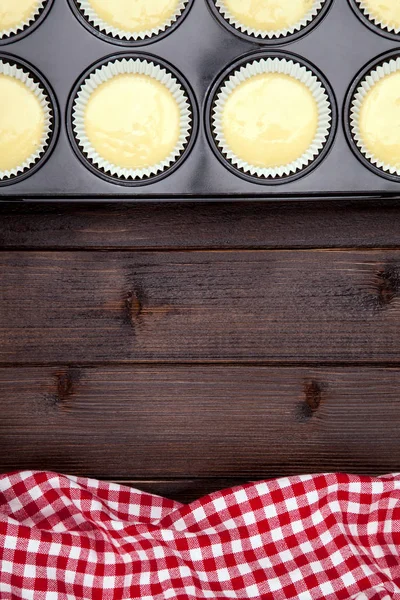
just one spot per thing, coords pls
(375, 20)
(14, 71)
(287, 67)
(4, 33)
(260, 33)
(87, 10)
(107, 72)
(387, 68)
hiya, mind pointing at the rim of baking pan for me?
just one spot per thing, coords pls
(267, 41)
(28, 29)
(355, 84)
(39, 78)
(194, 123)
(216, 87)
(107, 37)
(378, 29)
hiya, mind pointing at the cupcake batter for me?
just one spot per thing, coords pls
(135, 15)
(379, 120)
(270, 120)
(16, 12)
(22, 123)
(268, 15)
(384, 11)
(133, 121)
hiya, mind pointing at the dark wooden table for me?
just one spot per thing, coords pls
(182, 348)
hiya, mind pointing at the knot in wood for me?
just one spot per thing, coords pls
(387, 285)
(313, 396)
(133, 307)
(66, 381)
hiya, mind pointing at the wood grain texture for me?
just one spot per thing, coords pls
(274, 306)
(359, 223)
(217, 423)
(101, 317)
(184, 490)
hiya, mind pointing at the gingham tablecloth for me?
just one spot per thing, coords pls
(314, 537)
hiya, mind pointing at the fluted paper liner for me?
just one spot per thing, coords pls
(4, 33)
(23, 76)
(87, 10)
(287, 67)
(375, 20)
(265, 34)
(368, 82)
(107, 72)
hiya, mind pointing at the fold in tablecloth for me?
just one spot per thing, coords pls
(310, 537)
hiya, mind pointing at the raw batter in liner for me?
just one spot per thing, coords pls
(268, 15)
(22, 123)
(133, 121)
(384, 11)
(135, 15)
(16, 12)
(379, 120)
(270, 120)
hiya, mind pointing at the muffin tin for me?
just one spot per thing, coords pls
(105, 71)
(200, 50)
(18, 32)
(23, 73)
(87, 16)
(298, 69)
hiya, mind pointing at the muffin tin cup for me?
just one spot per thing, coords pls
(375, 24)
(273, 62)
(373, 73)
(13, 34)
(289, 34)
(88, 17)
(105, 71)
(36, 83)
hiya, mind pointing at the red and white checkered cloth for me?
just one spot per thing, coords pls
(312, 537)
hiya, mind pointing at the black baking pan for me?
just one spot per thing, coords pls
(339, 46)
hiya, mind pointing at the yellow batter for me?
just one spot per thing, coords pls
(385, 11)
(16, 12)
(133, 121)
(270, 120)
(135, 15)
(379, 120)
(268, 15)
(22, 123)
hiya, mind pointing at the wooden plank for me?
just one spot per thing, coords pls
(191, 422)
(272, 306)
(184, 490)
(360, 223)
